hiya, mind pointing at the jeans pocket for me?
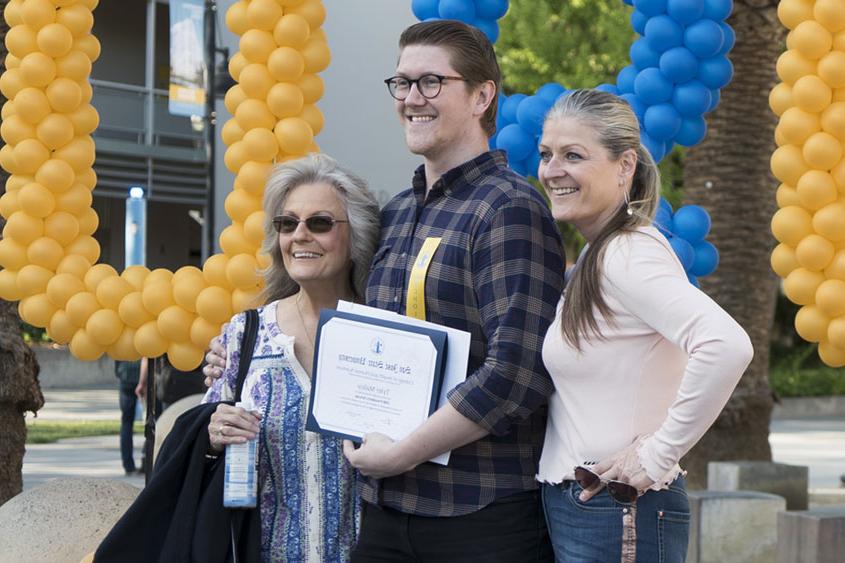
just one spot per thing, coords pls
(672, 535)
(601, 502)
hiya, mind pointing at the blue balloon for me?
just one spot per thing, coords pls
(684, 251)
(519, 166)
(643, 55)
(638, 21)
(718, 9)
(679, 65)
(510, 107)
(609, 88)
(662, 33)
(516, 141)
(532, 164)
(692, 131)
(704, 38)
(691, 223)
(490, 29)
(662, 122)
(532, 113)
(691, 99)
(500, 119)
(685, 11)
(550, 91)
(425, 9)
(657, 149)
(693, 280)
(463, 10)
(628, 2)
(650, 8)
(652, 87)
(730, 38)
(636, 105)
(715, 72)
(664, 204)
(625, 79)
(663, 221)
(715, 96)
(491, 9)
(706, 259)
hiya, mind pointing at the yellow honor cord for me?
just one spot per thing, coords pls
(415, 303)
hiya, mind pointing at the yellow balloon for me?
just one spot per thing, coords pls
(811, 39)
(12, 82)
(124, 347)
(33, 279)
(236, 18)
(8, 160)
(286, 64)
(822, 151)
(252, 177)
(89, 45)
(38, 310)
(148, 340)
(792, 65)
(242, 271)
(45, 252)
(15, 129)
(12, 12)
(235, 156)
(75, 200)
(157, 297)
(254, 228)
(9, 204)
(312, 87)
(285, 100)
(85, 246)
(801, 284)
(263, 14)
(75, 66)
(20, 40)
(56, 40)
(237, 63)
(253, 114)
(317, 55)
(36, 200)
(816, 189)
(104, 327)
(243, 299)
(38, 13)
(260, 145)
(12, 255)
(811, 323)
(135, 276)
(183, 356)
(814, 252)
(60, 328)
(16, 182)
(83, 346)
(830, 13)
(214, 304)
(174, 323)
(788, 164)
(830, 298)
(292, 30)
(314, 117)
(787, 195)
(214, 271)
(23, 228)
(132, 311)
(780, 98)
(831, 69)
(79, 153)
(9, 286)
(78, 19)
(37, 69)
(256, 45)
(240, 204)
(84, 119)
(836, 332)
(793, 12)
(186, 290)
(80, 307)
(30, 155)
(312, 10)
(157, 276)
(55, 131)
(88, 221)
(829, 221)
(833, 119)
(231, 132)
(55, 175)
(831, 355)
(75, 265)
(783, 260)
(202, 331)
(62, 227)
(233, 241)
(796, 125)
(111, 291)
(294, 135)
(96, 275)
(235, 96)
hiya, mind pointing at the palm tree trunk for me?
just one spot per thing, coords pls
(729, 175)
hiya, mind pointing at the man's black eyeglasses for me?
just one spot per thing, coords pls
(429, 85)
(317, 224)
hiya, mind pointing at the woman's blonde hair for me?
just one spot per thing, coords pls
(361, 208)
(617, 129)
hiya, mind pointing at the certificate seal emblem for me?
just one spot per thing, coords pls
(377, 346)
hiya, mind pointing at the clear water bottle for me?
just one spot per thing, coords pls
(240, 485)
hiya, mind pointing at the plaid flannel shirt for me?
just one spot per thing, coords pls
(498, 274)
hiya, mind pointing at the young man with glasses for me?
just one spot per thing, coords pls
(497, 273)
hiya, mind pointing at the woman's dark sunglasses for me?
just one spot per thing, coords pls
(618, 491)
(317, 224)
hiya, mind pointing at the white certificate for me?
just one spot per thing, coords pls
(374, 376)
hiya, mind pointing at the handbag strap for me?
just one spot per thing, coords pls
(247, 346)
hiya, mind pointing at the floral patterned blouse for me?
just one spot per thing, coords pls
(306, 489)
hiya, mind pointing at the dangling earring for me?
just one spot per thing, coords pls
(628, 208)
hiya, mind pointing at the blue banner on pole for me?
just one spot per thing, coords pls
(187, 58)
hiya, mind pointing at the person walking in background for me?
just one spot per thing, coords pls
(642, 361)
(128, 375)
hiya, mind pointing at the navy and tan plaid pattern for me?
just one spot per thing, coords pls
(498, 274)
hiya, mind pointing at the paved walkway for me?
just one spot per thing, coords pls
(816, 442)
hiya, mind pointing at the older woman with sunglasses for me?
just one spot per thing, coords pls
(642, 361)
(321, 231)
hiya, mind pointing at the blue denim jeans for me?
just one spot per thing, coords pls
(127, 418)
(591, 532)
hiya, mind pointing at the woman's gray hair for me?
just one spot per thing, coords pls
(617, 129)
(361, 208)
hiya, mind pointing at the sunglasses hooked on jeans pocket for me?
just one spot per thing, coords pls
(618, 491)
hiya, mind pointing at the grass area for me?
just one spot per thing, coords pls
(807, 382)
(38, 432)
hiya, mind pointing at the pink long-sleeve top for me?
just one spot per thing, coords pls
(666, 365)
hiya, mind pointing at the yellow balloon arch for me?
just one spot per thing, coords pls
(810, 224)
(48, 253)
